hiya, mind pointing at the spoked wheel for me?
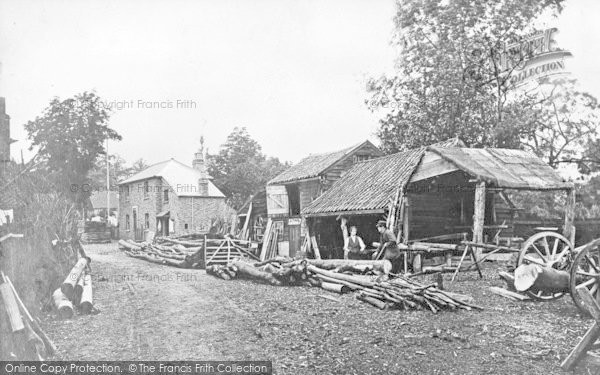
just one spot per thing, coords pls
(586, 272)
(547, 249)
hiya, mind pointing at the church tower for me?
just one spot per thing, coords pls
(199, 163)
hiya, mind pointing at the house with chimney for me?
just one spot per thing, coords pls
(171, 198)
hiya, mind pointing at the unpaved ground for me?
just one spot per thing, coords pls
(154, 312)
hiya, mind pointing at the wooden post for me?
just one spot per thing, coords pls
(12, 308)
(313, 239)
(204, 252)
(228, 250)
(86, 295)
(344, 226)
(569, 228)
(315, 247)
(406, 231)
(243, 234)
(590, 336)
(479, 215)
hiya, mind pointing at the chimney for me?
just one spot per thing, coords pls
(200, 165)
(5, 140)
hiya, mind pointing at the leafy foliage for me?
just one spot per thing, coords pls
(449, 79)
(240, 168)
(119, 170)
(565, 125)
(69, 137)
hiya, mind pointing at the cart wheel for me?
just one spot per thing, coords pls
(547, 249)
(586, 272)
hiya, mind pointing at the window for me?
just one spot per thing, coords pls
(358, 158)
(126, 192)
(166, 195)
(185, 226)
(147, 221)
(146, 189)
(127, 224)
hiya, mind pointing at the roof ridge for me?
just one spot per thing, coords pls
(339, 155)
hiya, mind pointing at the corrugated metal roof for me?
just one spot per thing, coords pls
(504, 168)
(182, 179)
(314, 165)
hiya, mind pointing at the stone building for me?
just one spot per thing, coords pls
(171, 198)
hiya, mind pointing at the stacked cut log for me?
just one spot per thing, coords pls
(179, 254)
(187, 253)
(95, 232)
(75, 291)
(372, 286)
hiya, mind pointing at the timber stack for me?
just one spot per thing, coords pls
(188, 252)
(75, 292)
(176, 255)
(369, 279)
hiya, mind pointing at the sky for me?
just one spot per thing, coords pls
(292, 72)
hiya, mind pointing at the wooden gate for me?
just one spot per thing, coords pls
(223, 251)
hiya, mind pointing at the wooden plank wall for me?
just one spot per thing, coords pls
(309, 190)
(334, 172)
(432, 213)
(435, 205)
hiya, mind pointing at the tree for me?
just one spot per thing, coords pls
(137, 166)
(69, 137)
(240, 168)
(119, 171)
(450, 80)
(566, 125)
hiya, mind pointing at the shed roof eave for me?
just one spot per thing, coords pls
(351, 212)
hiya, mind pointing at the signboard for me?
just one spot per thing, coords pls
(535, 56)
(295, 221)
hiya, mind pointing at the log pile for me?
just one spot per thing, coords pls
(176, 253)
(372, 284)
(188, 252)
(95, 232)
(75, 291)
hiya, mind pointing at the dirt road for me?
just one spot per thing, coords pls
(154, 312)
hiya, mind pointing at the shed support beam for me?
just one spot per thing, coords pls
(569, 227)
(406, 219)
(479, 215)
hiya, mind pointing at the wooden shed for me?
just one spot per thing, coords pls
(438, 190)
(296, 188)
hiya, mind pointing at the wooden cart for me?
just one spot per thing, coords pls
(551, 249)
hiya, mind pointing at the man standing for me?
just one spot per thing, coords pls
(388, 245)
(354, 246)
(112, 223)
